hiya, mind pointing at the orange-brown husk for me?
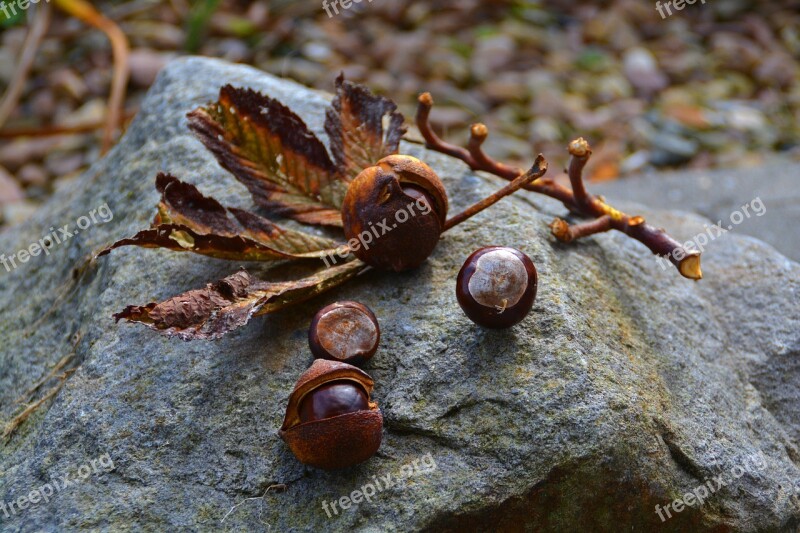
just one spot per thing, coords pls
(336, 442)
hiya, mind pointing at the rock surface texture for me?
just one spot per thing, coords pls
(627, 387)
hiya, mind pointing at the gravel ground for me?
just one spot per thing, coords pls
(713, 85)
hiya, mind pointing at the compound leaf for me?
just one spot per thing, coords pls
(273, 153)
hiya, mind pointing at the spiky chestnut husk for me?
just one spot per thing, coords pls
(394, 213)
(336, 441)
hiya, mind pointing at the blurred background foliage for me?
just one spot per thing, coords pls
(712, 85)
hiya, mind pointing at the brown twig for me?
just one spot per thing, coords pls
(18, 420)
(566, 233)
(423, 117)
(14, 424)
(49, 131)
(56, 369)
(536, 171)
(477, 135)
(478, 160)
(61, 364)
(119, 47)
(580, 151)
(41, 21)
(576, 200)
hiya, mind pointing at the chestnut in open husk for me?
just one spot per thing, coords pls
(395, 212)
(330, 421)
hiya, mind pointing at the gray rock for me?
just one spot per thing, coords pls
(626, 388)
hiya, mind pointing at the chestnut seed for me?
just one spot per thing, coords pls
(394, 212)
(496, 286)
(333, 399)
(344, 331)
(418, 194)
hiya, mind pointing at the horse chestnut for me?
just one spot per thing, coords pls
(496, 286)
(330, 421)
(344, 331)
(394, 213)
(333, 399)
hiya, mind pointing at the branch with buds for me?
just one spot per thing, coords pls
(602, 216)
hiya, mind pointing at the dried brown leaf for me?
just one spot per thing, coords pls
(189, 221)
(290, 173)
(355, 125)
(271, 150)
(221, 307)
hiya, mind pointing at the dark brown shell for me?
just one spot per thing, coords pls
(376, 196)
(340, 441)
(358, 350)
(490, 317)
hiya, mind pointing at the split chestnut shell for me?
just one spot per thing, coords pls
(395, 211)
(339, 441)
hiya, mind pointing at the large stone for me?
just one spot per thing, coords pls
(627, 387)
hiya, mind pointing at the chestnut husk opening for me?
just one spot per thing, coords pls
(376, 195)
(340, 441)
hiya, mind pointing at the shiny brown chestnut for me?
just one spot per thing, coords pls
(496, 286)
(344, 331)
(330, 421)
(333, 399)
(394, 213)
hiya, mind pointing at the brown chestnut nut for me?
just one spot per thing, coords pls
(330, 421)
(344, 331)
(333, 399)
(394, 213)
(496, 286)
